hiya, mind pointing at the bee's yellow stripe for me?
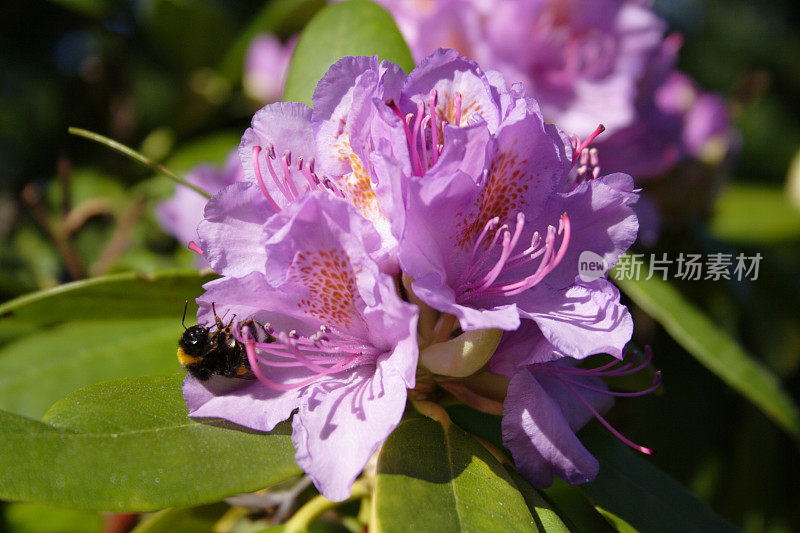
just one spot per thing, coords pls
(187, 359)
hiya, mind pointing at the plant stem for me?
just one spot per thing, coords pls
(445, 328)
(133, 154)
(431, 410)
(31, 197)
(318, 505)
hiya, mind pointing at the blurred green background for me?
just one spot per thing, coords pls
(164, 76)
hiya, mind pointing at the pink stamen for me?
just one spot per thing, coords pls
(486, 229)
(278, 182)
(576, 155)
(257, 169)
(195, 248)
(656, 384)
(434, 126)
(457, 98)
(292, 347)
(423, 129)
(254, 359)
(602, 420)
(508, 245)
(308, 173)
(547, 264)
(287, 173)
(414, 136)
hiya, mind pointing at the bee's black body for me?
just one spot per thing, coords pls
(206, 352)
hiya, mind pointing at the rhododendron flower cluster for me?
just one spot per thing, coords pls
(441, 193)
(586, 62)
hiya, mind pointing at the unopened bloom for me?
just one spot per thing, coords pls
(345, 348)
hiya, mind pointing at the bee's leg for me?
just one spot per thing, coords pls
(253, 325)
(217, 319)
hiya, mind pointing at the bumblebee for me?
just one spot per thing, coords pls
(205, 352)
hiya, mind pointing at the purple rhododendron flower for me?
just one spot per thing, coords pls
(503, 245)
(183, 211)
(346, 345)
(266, 66)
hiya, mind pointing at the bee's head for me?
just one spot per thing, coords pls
(194, 339)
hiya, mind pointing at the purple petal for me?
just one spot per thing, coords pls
(233, 234)
(431, 255)
(575, 411)
(265, 68)
(602, 221)
(343, 421)
(446, 73)
(539, 436)
(181, 213)
(522, 347)
(343, 107)
(582, 320)
(279, 129)
(246, 402)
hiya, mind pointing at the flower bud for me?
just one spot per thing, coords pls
(463, 355)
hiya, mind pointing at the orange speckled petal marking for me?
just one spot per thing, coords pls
(331, 282)
(503, 196)
(357, 187)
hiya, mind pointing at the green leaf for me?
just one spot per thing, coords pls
(40, 368)
(755, 214)
(480, 424)
(576, 509)
(542, 510)
(640, 496)
(429, 474)
(712, 347)
(487, 427)
(127, 445)
(183, 520)
(616, 522)
(212, 149)
(129, 295)
(279, 17)
(30, 518)
(351, 28)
